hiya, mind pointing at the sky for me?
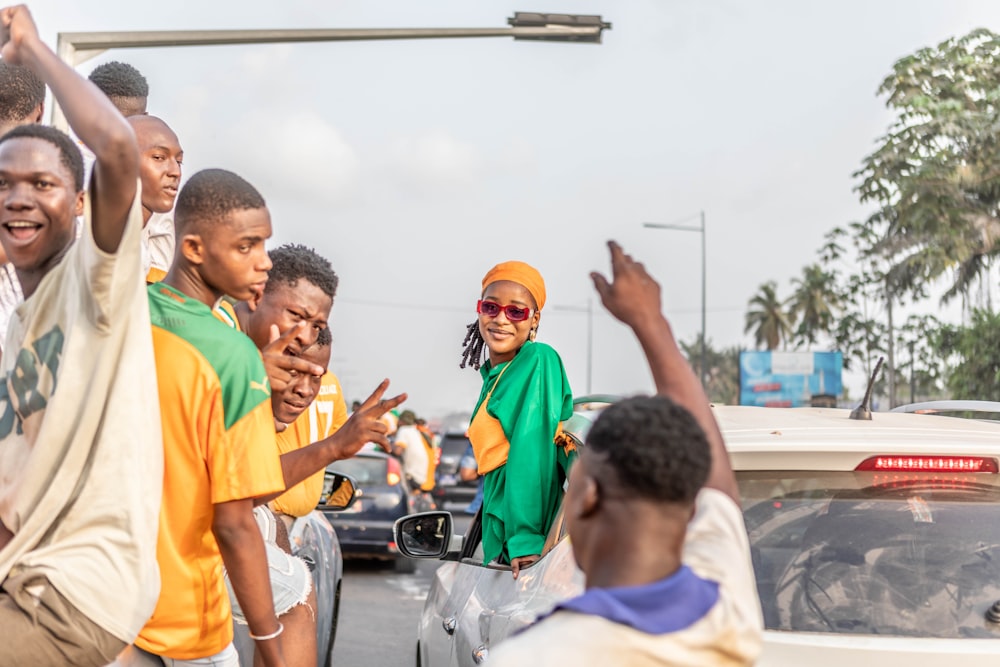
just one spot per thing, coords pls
(415, 166)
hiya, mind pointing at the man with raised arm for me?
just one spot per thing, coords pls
(654, 520)
(80, 443)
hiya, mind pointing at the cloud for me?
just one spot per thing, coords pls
(433, 160)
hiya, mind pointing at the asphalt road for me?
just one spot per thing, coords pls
(380, 609)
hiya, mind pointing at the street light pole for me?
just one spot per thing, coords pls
(702, 364)
(75, 48)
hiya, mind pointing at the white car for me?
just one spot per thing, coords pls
(873, 543)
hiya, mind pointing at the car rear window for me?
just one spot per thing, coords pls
(902, 554)
(366, 470)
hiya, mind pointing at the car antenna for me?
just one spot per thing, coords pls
(864, 411)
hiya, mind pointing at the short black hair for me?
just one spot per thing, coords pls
(654, 447)
(117, 79)
(293, 262)
(211, 195)
(69, 152)
(324, 337)
(21, 91)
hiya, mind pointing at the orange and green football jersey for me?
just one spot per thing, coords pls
(219, 446)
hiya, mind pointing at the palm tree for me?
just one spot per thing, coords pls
(814, 303)
(767, 319)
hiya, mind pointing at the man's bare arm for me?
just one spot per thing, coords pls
(93, 118)
(634, 298)
(242, 549)
(362, 427)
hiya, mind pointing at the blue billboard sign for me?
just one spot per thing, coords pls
(789, 379)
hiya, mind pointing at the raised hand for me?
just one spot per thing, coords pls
(281, 367)
(365, 425)
(633, 295)
(16, 26)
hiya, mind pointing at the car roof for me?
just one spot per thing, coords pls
(826, 439)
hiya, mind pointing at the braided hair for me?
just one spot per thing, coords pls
(472, 354)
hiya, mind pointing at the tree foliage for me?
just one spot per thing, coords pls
(975, 355)
(767, 319)
(723, 376)
(814, 303)
(935, 175)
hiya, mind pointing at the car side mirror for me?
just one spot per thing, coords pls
(339, 491)
(425, 535)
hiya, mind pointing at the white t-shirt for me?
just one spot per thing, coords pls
(81, 452)
(728, 635)
(10, 296)
(158, 242)
(414, 454)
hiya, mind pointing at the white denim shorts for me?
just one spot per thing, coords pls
(133, 656)
(291, 580)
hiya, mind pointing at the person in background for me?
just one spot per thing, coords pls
(80, 440)
(430, 446)
(468, 471)
(524, 398)
(410, 447)
(22, 97)
(161, 157)
(124, 85)
(22, 102)
(654, 520)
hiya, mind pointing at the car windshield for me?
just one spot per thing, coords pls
(875, 553)
(366, 470)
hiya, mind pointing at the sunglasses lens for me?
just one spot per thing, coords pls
(515, 314)
(489, 309)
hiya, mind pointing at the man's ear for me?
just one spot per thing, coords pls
(193, 248)
(78, 204)
(255, 300)
(590, 498)
(39, 113)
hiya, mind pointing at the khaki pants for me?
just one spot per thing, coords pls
(41, 627)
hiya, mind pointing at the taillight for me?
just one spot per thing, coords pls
(437, 456)
(929, 464)
(393, 473)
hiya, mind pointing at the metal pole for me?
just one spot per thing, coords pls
(75, 48)
(703, 363)
(913, 374)
(704, 271)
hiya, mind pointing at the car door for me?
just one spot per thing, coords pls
(489, 604)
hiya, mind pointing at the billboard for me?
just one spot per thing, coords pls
(789, 379)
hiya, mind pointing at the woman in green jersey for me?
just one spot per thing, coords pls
(524, 398)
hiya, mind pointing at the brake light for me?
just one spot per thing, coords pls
(437, 456)
(929, 464)
(393, 472)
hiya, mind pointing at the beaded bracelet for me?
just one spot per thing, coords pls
(264, 638)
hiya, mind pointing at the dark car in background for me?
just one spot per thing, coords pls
(447, 485)
(364, 529)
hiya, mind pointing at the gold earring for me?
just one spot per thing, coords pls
(532, 333)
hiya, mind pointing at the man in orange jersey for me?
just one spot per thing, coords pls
(296, 302)
(217, 429)
(219, 438)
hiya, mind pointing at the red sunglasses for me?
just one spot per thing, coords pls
(492, 309)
